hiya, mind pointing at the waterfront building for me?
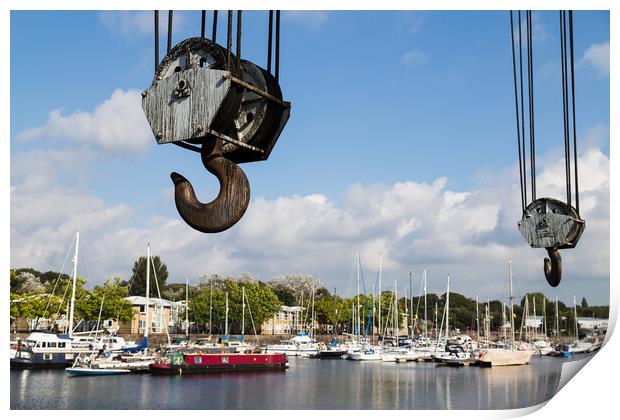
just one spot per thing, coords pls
(592, 324)
(289, 320)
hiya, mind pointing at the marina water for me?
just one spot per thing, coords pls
(308, 384)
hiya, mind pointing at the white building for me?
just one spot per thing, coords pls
(162, 314)
(588, 323)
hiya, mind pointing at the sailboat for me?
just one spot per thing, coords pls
(363, 351)
(131, 359)
(506, 356)
(47, 350)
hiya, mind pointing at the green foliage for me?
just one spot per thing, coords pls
(112, 294)
(33, 305)
(262, 303)
(138, 278)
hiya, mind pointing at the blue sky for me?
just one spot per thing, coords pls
(380, 100)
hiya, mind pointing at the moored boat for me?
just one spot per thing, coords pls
(204, 363)
(87, 371)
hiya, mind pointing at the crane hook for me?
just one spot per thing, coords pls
(553, 267)
(229, 205)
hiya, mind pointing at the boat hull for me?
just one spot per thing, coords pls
(502, 357)
(96, 372)
(207, 363)
(333, 354)
(30, 360)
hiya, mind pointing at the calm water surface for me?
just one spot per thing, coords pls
(308, 384)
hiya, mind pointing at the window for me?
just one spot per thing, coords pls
(51, 344)
(47, 356)
(69, 356)
(142, 309)
(61, 345)
(197, 359)
(224, 359)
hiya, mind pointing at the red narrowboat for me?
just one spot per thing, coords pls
(182, 363)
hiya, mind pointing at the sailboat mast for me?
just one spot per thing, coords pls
(512, 314)
(380, 291)
(226, 317)
(576, 324)
(210, 306)
(544, 316)
(425, 313)
(477, 319)
(187, 306)
(557, 320)
(448, 309)
(242, 310)
(312, 317)
(99, 317)
(412, 318)
(358, 295)
(396, 323)
(148, 282)
(535, 317)
(372, 331)
(407, 323)
(75, 262)
(436, 309)
(504, 319)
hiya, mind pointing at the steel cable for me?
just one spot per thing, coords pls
(169, 31)
(269, 41)
(514, 73)
(214, 30)
(572, 77)
(522, 110)
(156, 23)
(277, 64)
(203, 18)
(530, 74)
(565, 106)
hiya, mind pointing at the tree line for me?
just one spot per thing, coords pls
(46, 294)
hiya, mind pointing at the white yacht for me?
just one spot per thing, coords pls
(299, 345)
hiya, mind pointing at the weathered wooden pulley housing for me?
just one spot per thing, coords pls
(550, 223)
(206, 99)
(191, 94)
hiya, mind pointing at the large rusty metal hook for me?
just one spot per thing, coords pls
(553, 267)
(229, 205)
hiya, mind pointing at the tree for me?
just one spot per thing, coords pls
(25, 282)
(113, 295)
(138, 279)
(261, 304)
(584, 303)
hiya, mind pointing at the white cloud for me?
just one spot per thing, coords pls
(414, 57)
(117, 125)
(597, 55)
(128, 22)
(138, 23)
(412, 21)
(313, 19)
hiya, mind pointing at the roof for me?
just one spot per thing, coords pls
(285, 308)
(141, 300)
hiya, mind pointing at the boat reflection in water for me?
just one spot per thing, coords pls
(307, 384)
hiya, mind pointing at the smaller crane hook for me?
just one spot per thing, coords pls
(229, 205)
(553, 267)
